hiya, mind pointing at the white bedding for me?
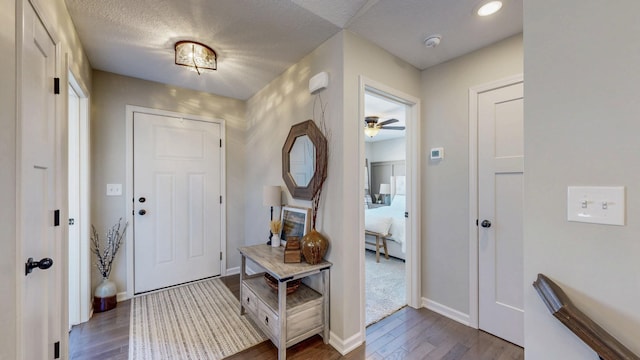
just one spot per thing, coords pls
(390, 218)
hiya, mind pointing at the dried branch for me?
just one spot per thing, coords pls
(105, 257)
(321, 167)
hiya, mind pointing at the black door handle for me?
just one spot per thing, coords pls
(142, 212)
(485, 224)
(43, 264)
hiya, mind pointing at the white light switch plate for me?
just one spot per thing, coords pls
(114, 189)
(596, 204)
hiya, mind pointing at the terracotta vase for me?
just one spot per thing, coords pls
(314, 245)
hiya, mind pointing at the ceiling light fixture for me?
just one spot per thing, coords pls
(371, 131)
(489, 8)
(196, 56)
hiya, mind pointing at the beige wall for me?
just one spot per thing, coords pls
(581, 128)
(445, 184)
(286, 101)
(111, 93)
(270, 113)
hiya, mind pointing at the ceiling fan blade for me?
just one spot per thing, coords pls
(393, 127)
(390, 121)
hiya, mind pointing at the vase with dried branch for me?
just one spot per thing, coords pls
(315, 245)
(104, 297)
(276, 226)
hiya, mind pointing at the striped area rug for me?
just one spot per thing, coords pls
(196, 321)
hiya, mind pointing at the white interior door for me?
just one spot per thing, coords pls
(40, 315)
(177, 192)
(500, 203)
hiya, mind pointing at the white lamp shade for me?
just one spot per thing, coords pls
(271, 195)
(385, 189)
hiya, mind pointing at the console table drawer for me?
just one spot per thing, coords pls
(249, 300)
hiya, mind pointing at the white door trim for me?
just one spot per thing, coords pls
(129, 110)
(84, 216)
(474, 92)
(413, 269)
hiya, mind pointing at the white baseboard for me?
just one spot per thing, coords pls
(345, 346)
(233, 271)
(443, 310)
(121, 296)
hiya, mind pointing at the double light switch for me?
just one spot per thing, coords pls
(596, 204)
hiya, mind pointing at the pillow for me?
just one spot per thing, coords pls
(376, 223)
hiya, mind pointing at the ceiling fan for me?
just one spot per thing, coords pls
(372, 126)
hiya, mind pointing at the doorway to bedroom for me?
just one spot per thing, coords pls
(384, 205)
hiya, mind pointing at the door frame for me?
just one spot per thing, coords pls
(474, 93)
(413, 246)
(129, 195)
(84, 184)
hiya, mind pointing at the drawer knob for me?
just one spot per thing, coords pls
(248, 299)
(266, 320)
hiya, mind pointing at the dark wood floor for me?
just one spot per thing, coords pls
(407, 334)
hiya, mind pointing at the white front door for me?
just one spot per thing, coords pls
(177, 200)
(41, 296)
(500, 203)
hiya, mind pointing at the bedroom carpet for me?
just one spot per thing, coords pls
(196, 321)
(385, 287)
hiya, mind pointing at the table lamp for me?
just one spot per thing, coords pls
(385, 189)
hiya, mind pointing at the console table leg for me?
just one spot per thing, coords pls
(282, 317)
(243, 264)
(325, 299)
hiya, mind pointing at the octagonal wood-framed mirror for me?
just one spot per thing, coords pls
(304, 160)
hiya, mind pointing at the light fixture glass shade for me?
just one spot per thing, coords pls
(271, 195)
(489, 8)
(371, 131)
(385, 188)
(195, 55)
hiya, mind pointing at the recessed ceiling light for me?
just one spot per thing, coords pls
(489, 8)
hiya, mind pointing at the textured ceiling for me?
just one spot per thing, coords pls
(256, 40)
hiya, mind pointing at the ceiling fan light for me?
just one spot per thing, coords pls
(196, 56)
(371, 131)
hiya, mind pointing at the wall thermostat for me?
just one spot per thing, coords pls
(437, 153)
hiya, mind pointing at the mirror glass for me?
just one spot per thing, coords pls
(302, 161)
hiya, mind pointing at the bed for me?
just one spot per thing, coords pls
(386, 224)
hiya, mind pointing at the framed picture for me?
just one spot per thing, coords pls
(296, 221)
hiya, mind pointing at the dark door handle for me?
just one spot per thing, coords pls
(142, 199)
(43, 264)
(485, 224)
(142, 212)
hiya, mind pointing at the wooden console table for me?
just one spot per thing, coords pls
(285, 319)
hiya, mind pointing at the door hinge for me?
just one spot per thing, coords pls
(220, 255)
(220, 142)
(56, 217)
(220, 199)
(476, 222)
(56, 86)
(72, 221)
(56, 350)
(406, 214)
